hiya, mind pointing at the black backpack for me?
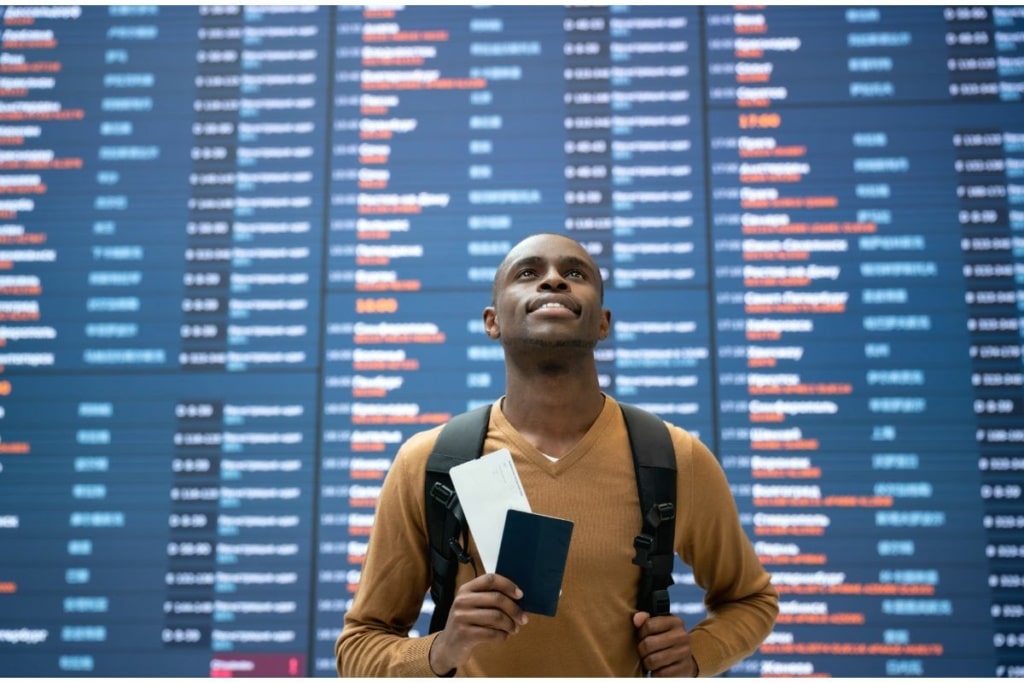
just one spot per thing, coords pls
(462, 439)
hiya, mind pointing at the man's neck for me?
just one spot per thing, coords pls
(553, 412)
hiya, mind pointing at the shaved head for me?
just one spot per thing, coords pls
(521, 249)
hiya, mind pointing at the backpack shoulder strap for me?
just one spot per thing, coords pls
(655, 463)
(460, 440)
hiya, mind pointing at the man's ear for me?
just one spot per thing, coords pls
(491, 323)
(606, 323)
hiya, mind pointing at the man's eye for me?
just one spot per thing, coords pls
(526, 271)
(576, 273)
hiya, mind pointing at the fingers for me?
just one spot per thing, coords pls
(484, 610)
(494, 582)
(649, 625)
(487, 607)
(664, 645)
(489, 593)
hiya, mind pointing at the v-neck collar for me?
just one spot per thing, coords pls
(577, 453)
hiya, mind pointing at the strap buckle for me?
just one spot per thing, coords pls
(646, 558)
(643, 544)
(460, 552)
(660, 603)
(659, 513)
(444, 495)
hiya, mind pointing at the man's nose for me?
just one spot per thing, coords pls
(553, 280)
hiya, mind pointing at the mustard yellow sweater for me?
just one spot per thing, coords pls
(592, 635)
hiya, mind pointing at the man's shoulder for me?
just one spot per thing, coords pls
(408, 470)
(418, 446)
(416, 449)
(685, 442)
(677, 432)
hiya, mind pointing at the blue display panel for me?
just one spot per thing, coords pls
(244, 253)
(854, 235)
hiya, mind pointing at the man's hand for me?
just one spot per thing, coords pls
(664, 645)
(484, 610)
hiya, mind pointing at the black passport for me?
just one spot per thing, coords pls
(533, 552)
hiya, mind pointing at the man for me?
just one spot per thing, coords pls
(570, 446)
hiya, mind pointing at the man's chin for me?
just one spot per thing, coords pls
(538, 343)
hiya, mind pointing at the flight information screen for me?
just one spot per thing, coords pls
(244, 253)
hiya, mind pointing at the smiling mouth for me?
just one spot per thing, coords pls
(554, 306)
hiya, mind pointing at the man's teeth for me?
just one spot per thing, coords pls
(553, 305)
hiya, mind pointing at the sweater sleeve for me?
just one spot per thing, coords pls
(741, 602)
(394, 579)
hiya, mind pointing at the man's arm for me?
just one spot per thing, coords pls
(742, 604)
(394, 578)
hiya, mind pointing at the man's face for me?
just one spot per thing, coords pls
(547, 293)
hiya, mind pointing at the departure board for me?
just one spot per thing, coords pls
(244, 253)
